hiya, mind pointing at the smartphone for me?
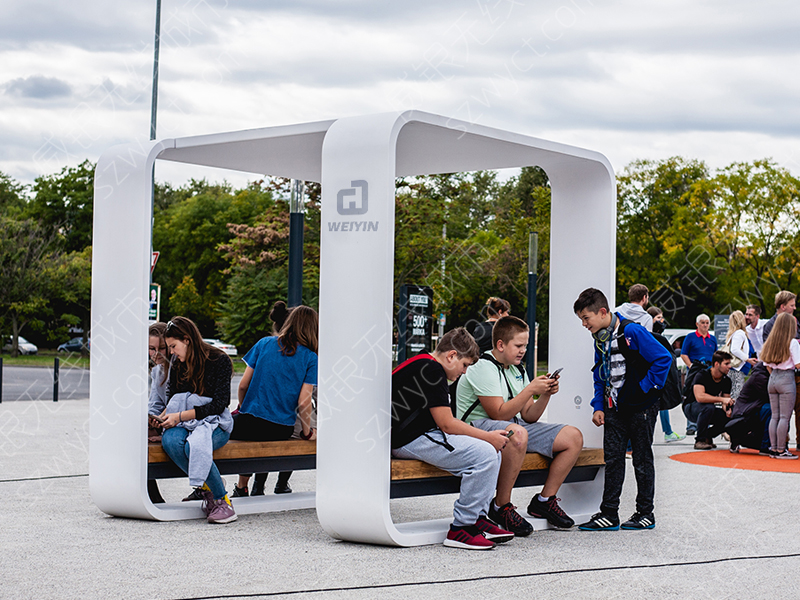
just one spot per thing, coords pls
(509, 433)
(158, 418)
(556, 372)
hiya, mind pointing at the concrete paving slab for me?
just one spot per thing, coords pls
(57, 544)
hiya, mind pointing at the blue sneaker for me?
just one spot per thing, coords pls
(640, 521)
(601, 522)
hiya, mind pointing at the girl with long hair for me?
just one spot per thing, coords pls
(781, 356)
(198, 368)
(277, 386)
(738, 346)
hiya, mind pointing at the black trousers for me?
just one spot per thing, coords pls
(710, 419)
(619, 429)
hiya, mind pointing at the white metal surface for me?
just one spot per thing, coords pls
(357, 160)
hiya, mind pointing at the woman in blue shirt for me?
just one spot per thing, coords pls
(277, 385)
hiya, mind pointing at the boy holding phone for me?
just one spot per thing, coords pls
(496, 394)
(424, 428)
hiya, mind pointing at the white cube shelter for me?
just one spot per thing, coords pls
(357, 160)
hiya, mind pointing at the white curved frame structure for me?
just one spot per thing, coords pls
(357, 160)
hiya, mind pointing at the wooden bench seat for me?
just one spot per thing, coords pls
(409, 477)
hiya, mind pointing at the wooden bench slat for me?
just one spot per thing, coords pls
(415, 469)
(401, 469)
(245, 449)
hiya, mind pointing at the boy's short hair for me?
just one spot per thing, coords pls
(720, 356)
(755, 308)
(462, 342)
(507, 328)
(783, 297)
(637, 292)
(591, 299)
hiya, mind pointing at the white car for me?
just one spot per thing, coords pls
(25, 347)
(228, 349)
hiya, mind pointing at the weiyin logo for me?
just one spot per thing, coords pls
(349, 202)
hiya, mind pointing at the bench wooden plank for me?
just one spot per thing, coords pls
(244, 449)
(241, 451)
(415, 469)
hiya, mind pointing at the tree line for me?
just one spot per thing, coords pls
(701, 241)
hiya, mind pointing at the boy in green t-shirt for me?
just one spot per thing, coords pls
(495, 393)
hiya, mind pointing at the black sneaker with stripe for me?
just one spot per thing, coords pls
(640, 521)
(601, 522)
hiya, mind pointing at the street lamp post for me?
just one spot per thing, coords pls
(296, 224)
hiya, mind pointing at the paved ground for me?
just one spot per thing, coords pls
(719, 534)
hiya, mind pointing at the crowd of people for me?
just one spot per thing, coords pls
(471, 409)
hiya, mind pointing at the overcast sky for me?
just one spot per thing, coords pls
(710, 79)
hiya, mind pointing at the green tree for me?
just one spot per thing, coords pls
(663, 211)
(64, 202)
(188, 231)
(26, 258)
(754, 234)
(12, 196)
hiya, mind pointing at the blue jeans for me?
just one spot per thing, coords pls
(665, 424)
(174, 442)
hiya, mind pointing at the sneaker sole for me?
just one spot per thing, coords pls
(629, 528)
(463, 546)
(556, 525)
(497, 538)
(614, 528)
(223, 521)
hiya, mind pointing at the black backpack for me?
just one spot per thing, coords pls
(671, 396)
(637, 366)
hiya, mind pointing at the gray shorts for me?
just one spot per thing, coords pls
(541, 436)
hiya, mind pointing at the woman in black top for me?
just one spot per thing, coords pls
(199, 368)
(496, 308)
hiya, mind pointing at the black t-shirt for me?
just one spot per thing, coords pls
(417, 386)
(713, 388)
(483, 335)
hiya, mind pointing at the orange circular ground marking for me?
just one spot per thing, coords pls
(746, 459)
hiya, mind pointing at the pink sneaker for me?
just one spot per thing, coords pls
(220, 511)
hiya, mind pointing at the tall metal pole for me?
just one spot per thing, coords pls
(296, 224)
(154, 103)
(442, 316)
(533, 253)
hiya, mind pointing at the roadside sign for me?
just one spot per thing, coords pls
(153, 261)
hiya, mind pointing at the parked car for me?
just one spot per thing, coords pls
(74, 345)
(25, 347)
(228, 349)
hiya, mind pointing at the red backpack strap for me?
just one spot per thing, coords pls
(407, 362)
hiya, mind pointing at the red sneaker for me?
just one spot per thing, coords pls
(492, 532)
(468, 538)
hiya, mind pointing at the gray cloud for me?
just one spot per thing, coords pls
(38, 87)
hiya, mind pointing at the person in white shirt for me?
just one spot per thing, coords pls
(739, 348)
(755, 326)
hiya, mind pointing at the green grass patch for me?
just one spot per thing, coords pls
(67, 360)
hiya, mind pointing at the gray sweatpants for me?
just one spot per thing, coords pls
(475, 461)
(782, 390)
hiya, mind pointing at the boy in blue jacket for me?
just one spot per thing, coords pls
(630, 370)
